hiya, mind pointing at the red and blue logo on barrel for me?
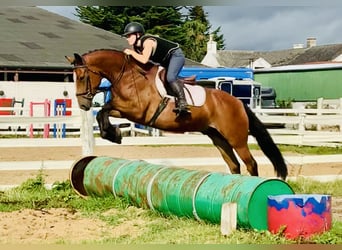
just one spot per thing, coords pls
(299, 215)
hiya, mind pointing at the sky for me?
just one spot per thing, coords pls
(266, 28)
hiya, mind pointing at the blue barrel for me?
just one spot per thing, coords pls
(299, 215)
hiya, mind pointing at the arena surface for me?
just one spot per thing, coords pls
(48, 226)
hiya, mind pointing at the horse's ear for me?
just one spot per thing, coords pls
(70, 59)
(78, 59)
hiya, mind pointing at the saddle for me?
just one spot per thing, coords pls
(191, 80)
(194, 94)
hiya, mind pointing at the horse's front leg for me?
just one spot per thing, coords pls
(107, 130)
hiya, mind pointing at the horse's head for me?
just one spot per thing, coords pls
(87, 81)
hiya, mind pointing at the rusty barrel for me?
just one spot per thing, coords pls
(178, 191)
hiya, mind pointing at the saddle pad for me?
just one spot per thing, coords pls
(195, 95)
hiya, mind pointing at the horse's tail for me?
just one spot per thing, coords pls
(266, 143)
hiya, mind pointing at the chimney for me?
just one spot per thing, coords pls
(310, 42)
(210, 59)
(211, 45)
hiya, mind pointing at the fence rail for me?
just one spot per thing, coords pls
(302, 119)
(300, 126)
(72, 122)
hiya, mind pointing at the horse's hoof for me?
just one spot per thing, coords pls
(114, 139)
(114, 134)
(111, 137)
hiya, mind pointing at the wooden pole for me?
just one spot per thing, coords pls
(87, 132)
(228, 218)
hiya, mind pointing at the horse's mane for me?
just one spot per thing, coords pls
(145, 67)
(96, 50)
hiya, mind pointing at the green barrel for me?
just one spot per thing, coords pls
(132, 181)
(248, 192)
(178, 191)
(98, 174)
(173, 190)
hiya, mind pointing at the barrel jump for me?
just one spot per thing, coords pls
(173, 190)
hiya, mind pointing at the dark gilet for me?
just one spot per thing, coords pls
(162, 51)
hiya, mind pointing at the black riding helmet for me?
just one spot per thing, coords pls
(134, 27)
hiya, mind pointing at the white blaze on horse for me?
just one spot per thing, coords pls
(135, 96)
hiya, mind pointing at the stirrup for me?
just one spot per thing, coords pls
(182, 111)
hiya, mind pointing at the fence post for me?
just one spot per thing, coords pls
(319, 106)
(87, 133)
(301, 127)
(340, 108)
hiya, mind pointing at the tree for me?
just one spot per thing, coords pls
(102, 17)
(163, 21)
(190, 30)
(198, 30)
(198, 14)
(195, 44)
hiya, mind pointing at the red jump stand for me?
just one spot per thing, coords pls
(46, 105)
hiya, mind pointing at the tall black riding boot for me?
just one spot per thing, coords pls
(181, 104)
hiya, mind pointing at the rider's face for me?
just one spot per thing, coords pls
(131, 38)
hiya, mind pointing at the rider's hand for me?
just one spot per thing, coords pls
(128, 51)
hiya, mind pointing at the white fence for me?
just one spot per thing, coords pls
(300, 126)
(315, 127)
(73, 122)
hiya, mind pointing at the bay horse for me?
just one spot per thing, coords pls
(221, 116)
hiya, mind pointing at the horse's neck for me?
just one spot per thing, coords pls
(113, 63)
(138, 82)
(126, 74)
(106, 61)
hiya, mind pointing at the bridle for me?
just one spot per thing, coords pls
(88, 94)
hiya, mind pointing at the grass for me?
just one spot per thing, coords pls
(307, 186)
(310, 150)
(151, 226)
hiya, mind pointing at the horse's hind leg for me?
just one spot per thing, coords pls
(107, 130)
(246, 156)
(225, 149)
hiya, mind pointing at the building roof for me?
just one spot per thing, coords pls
(34, 37)
(323, 53)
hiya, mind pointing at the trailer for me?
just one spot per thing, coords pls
(247, 90)
(206, 73)
(238, 82)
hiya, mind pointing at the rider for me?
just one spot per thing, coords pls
(158, 50)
